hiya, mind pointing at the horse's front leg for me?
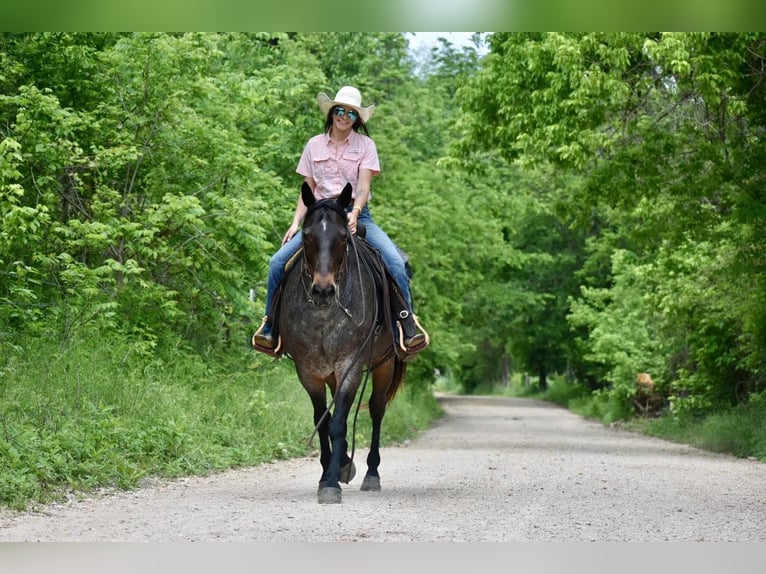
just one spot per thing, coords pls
(316, 388)
(340, 467)
(322, 425)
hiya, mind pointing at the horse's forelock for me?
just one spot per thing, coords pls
(325, 204)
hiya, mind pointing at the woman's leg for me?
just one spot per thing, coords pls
(414, 338)
(277, 264)
(390, 254)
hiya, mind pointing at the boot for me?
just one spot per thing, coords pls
(262, 339)
(413, 338)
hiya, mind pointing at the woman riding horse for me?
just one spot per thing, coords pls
(330, 160)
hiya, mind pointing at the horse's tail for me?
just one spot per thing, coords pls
(400, 367)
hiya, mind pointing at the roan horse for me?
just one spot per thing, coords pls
(334, 323)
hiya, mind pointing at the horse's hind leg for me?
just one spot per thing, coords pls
(381, 379)
(347, 469)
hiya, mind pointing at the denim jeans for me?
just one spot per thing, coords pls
(375, 237)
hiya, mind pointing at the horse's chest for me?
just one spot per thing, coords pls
(321, 353)
(318, 331)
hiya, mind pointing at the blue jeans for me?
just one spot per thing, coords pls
(375, 237)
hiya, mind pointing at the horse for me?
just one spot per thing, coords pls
(334, 324)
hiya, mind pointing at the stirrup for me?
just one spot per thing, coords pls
(416, 348)
(272, 351)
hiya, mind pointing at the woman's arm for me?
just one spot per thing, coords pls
(300, 213)
(362, 195)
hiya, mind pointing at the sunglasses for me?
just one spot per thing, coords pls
(342, 112)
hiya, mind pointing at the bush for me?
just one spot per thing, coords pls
(740, 430)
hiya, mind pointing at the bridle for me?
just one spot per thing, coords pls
(351, 245)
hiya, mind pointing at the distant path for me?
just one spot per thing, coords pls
(494, 469)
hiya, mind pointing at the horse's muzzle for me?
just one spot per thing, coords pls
(323, 290)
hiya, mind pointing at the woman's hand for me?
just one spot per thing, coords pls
(352, 216)
(290, 233)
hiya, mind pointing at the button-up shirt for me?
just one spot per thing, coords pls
(333, 165)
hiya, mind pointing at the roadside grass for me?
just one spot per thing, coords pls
(98, 414)
(739, 431)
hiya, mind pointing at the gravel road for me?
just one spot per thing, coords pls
(493, 469)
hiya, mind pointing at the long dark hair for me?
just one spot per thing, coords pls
(359, 125)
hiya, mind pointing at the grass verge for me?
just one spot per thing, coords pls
(739, 431)
(94, 414)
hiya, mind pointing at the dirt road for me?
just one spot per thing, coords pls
(494, 469)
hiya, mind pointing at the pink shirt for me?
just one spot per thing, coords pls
(331, 166)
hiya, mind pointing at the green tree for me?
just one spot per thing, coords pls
(150, 184)
(663, 129)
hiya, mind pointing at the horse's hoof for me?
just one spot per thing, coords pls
(348, 472)
(371, 483)
(330, 495)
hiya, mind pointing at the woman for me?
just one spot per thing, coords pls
(343, 153)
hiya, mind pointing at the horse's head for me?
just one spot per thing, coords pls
(325, 236)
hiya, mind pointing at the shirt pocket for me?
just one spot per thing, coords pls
(349, 164)
(320, 165)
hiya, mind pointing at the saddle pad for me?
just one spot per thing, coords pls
(293, 259)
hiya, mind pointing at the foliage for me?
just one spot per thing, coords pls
(146, 196)
(145, 179)
(621, 326)
(737, 430)
(577, 207)
(664, 132)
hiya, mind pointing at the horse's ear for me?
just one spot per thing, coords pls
(307, 195)
(345, 196)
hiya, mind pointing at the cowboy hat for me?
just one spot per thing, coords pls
(347, 96)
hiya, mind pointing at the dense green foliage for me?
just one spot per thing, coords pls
(580, 207)
(663, 134)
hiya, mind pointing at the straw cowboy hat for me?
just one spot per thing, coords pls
(347, 96)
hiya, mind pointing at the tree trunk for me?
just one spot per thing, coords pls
(505, 375)
(543, 376)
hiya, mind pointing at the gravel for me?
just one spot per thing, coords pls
(493, 469)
